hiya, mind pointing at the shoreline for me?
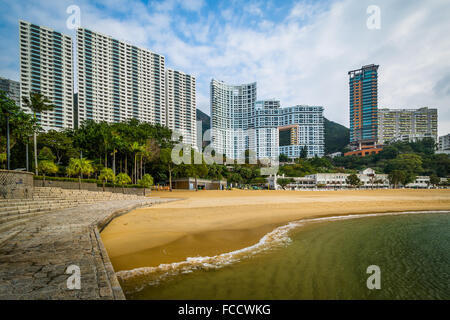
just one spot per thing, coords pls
(137, 279)
(209, 223)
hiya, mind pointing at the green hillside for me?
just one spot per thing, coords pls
(336, 136)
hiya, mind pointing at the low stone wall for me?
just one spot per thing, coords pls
(90, 186)
(66, 185)
(16, 184)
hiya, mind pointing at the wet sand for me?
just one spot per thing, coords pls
(207, 223)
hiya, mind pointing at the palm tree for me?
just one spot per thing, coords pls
(37, 103)
(146, 181)
(136, 148)
(105, 175)
(78, 167)
(166, 159)
(47, 167)
(123, 179)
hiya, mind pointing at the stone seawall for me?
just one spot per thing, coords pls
(33, 263)
(16, 184)
(90, 186)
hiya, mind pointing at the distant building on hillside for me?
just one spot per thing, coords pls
(444, 142)
(444, 145)
(334, 154)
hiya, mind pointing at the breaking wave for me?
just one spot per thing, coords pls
(137, 279)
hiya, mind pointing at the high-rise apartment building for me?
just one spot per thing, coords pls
(295, 128)
(444, 143)
(12, 89)
(406, 124)
(241, 123)
(305, 125)
(118, 81)
(232, 110)
(46, 67)
(181, 105)
(363, 85)
(266, 135)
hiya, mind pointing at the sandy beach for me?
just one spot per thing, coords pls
(207, 223)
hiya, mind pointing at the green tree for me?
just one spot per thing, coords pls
(23, 125)
(60, 143)
(137, 149)
(146, 181)
(304, 153)
(236, 178)
(410, 164)
(283, 158)
(37, 103)
(353, 180)
(396, 177)
(166, 160)
(434, 180)
(46, 154)
(106, 174)
(79, 167)
(47, 167)
(3, 160)
(283, 182)
(123, 179)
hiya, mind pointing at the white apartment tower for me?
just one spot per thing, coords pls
(46, 67)
(118, 81)
(289, 130)
(181, 105)
(232, 110)
(241, 123)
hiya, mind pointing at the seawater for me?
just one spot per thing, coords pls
(322, 258)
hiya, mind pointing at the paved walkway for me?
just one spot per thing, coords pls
(33, 263)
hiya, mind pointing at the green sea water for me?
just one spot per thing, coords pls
(329, 260)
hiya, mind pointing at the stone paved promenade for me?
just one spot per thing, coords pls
(33, 263)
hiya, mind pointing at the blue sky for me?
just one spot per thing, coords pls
(297, 51)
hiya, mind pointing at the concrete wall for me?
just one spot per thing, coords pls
(16, 184)
(66, 185)
(89, 186)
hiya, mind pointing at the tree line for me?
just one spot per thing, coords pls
(138, 153)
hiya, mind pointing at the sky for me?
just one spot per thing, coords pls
(298, 52)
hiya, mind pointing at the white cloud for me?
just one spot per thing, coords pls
(192, 5)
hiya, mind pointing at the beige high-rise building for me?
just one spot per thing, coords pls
(118, 81)
(406, 124)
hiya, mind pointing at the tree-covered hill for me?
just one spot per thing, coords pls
(336, 136)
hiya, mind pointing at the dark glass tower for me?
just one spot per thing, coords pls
(363, 85)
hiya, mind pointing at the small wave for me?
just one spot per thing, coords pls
(136, 279)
